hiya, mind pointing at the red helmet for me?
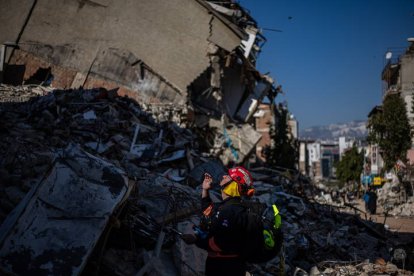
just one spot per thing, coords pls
(244, 179)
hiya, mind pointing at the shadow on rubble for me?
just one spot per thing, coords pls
(325, 237)
(61, 150)
(64, 155)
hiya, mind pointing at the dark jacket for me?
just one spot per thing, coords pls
(225, 225)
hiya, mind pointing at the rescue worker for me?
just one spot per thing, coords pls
(221, 230)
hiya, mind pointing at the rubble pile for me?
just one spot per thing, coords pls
(313, 233)
(164, 168)
(98, 120)
(404, 210)
(380, 267)
(390, 194)
(394, 200)
(316, 233)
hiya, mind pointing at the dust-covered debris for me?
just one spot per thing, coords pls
(166, 165)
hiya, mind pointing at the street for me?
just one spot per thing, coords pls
(394, 224)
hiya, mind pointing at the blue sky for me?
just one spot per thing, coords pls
(330, 53)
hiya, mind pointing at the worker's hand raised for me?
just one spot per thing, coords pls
(207, 181)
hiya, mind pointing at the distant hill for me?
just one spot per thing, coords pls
(354, 129)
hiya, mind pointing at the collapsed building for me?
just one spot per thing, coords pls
(124, 107)
(188, 67)
(195, 65)
(92, 184)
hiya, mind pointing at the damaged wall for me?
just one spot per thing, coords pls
(12, 18)
(111, 69)
(264, 119)
(170, 39)
(152, 51)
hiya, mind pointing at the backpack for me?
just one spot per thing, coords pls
(263, 236)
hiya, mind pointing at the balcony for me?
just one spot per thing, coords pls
(392, 89)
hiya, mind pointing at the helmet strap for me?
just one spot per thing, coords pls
(226, 184)
(246, 190)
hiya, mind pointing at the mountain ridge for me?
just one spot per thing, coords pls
(354, 129)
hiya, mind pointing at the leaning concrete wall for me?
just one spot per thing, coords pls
(151, 50)
(110, 70)
(170, 39)
(12, 18)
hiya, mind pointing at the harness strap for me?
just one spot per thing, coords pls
(213, 245)
(214, 250)
(217, 252)
(221, 255)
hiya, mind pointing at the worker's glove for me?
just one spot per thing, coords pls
(189, 238)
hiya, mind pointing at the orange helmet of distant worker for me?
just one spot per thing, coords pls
(244, 180)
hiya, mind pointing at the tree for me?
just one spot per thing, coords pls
(283, 151)
(391, 131)
(349, 168)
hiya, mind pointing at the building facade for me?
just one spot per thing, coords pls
(398, 78)
(265, 118)
(317, 159)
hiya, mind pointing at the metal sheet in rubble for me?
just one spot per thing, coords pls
(54, 229)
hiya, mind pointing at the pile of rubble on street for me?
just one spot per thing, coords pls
(394, 200)
(405, 209)
(95, 183)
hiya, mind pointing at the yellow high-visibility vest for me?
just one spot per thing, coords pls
(377, 180)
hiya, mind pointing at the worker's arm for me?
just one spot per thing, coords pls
(205, 195)
(206, 185)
